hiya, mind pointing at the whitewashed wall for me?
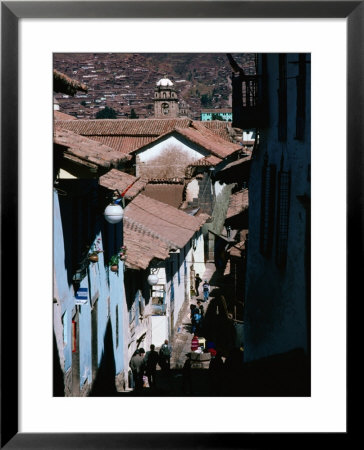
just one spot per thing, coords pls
(185, 149)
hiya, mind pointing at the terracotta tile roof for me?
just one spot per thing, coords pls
(84, 150)
(210, 160)
(170, 193)
(142, 245)
(238, 203)
(128, 135)
(125, 183)
(58, 115)
(170, 224)
(207, 139)
(238, 162)
(221, 128)
(125, 127)
(124, 144)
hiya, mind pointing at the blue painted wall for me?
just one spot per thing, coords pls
(76, 224)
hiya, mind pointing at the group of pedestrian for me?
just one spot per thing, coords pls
(145, 364)
(196, 316)
(205, 287)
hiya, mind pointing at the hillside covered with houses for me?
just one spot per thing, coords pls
(125, 82)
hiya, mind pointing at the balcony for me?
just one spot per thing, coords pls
(248, 102)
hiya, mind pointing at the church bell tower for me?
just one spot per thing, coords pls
(165, 100)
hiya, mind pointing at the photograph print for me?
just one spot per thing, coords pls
(181, 224)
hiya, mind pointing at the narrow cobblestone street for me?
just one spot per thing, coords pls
(182, 340)
(172, 383)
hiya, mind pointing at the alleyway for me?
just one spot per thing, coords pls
(216, 327)
(283, 375)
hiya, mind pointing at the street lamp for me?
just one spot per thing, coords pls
(152, 279)
(114, 212)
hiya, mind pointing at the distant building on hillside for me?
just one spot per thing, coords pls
(213, 114)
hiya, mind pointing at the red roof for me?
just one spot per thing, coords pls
(58, 115)
(124, 144)
(209, 160)
(128, 135)
(209, 141)
(205, 138)
(221, 128)
(238, 203)
(123, 182)
(170, 193)
(170, 224)
(142, 245)
(86, 151)
(125, 127)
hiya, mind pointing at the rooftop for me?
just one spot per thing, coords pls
(126, 184)
(170, 224)
(86, 151)
(166, 192)
(58, 115)
(203, 137)
(143, 245)
(238, 203)
(128, 135)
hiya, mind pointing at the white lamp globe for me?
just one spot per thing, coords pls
(113, 213)
(152, 279)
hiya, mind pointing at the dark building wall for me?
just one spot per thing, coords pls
(276, 307)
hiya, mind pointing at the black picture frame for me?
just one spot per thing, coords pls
(11, 12)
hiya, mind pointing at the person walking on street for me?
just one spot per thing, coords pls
(228, 231)
(151, 361)
(165, 355)
(137, 367)
(196, 323)
(198, 281)
(192, 311)
(206, 291)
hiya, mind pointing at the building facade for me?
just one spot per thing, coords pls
(277, 305)
(88, 300)
(217, 114)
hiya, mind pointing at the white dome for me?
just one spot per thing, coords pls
(164, 82)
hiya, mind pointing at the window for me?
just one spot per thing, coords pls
(284, 185)
(282, 98)
(267, 207)
(165, 108)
